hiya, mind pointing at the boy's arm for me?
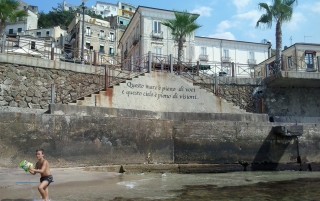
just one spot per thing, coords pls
(31, 170)
(43, 168)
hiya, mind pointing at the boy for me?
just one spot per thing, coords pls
(42, 167)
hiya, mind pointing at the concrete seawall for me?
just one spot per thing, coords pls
(135, 137)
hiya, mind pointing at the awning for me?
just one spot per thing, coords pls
(310, 52)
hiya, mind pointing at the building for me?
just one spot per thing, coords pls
(300, 57)
(55, 34)
(105, 9)
(98, 37)
(222, 55)
(27, 23)
(146, 33)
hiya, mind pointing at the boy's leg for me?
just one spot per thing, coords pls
(43, 189)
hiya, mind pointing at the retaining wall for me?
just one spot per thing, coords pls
(75, 140)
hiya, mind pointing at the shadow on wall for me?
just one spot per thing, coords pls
(271, 152)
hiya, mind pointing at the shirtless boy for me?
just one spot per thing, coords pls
(42, 167)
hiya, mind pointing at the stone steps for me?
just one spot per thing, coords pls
(105, 98)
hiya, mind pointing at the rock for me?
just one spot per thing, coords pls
(13, 104)
(23, 104)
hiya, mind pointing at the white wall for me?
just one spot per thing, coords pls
(239, 53)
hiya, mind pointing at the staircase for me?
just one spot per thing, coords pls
(158, 91)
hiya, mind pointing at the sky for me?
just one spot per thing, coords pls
(230, 19)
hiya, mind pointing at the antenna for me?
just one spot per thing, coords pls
(291, 40)
(306, 37)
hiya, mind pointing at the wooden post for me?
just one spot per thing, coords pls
(171, 63)
(232, 69)
(149, 61)
(198, 68)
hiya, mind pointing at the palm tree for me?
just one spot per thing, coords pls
(9, 12)
(280, 11)
(183, 25)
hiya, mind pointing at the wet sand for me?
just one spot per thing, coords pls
(78, 184)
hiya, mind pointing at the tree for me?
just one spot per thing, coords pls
(9, 12)
(183, 25)
(280, 11)
(59, 17)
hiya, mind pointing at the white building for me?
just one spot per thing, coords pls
(55, 34)
(222, 55)
(146, 33)
(105, 9)
(29, 22)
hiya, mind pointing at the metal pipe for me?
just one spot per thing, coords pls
(82, 44)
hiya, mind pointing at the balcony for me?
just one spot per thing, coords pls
(203, 57)
(226, 59)
(157, 35)
(252, 61)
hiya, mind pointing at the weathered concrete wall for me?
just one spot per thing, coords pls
(73, 140)
(292, 102)
(83, 140)
(30, 87)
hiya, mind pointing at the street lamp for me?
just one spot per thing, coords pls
(82, 44)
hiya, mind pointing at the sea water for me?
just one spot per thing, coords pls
(79, 185)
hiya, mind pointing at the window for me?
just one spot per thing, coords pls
(88, 45)
(130, 9)
(88, 31)
(225, 53)
(111, 37)
(33, 45)
(156, 26)
(48, 33)
(111, 50)
(10, 31)
(101, 12)
(290, 62)
(121, 22)
(19, 30)
(203, 51)
(158, 50)
(309, 59)
(38, 33)
(102, 35)
(251, 55)
(101, 49)
(122, 7)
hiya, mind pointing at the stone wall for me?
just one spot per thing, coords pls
(75, 140)
(240, 95)
(30, 87)
(295, 101)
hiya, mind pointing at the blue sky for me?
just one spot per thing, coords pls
(230, 19)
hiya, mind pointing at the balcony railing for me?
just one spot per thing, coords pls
(252, 61)
(226, 59)
(203, 57)
(157, 35)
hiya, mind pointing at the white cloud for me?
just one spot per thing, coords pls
(203, 11)
(241, 4)
(296, 21)
(252, 16)
(315, 7)
(224, 35)
(223, 26)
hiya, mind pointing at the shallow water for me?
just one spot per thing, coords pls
(77, 185)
